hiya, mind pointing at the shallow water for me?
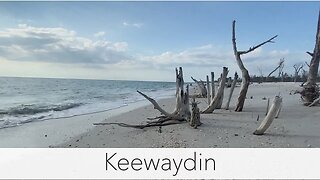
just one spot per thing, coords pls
(24, 100)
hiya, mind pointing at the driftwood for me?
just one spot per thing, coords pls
(232, 89)
(245, 74)
(217, 98)
(316, 101)
(208, 90)
(274, 109)
(195, 115)
(268, 103)
(202, 86)
(212, 86)
(220, 100)
(180, 114)
(310, 90)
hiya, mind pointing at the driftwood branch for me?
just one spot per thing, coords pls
(259, 45)
(265, 124)
(156, 105)
(316, 101)
(310, 53)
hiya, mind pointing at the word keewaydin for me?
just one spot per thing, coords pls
(196, 163)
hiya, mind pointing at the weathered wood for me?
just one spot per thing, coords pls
(180, 114)
(310, 89)
(202, 87)
(220, 100)
(232, 89)
(268, 106)
(265, 124)
(195, 115)
(212, 86)
(316, 101)
(245, 74)
(208, 90)
(217, 98)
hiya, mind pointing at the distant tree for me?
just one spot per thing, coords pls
(297, 67)
(280, 66)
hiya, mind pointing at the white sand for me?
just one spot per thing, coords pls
(297, 126)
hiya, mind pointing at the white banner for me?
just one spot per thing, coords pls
(165, 163)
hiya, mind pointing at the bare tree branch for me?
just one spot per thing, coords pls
(259, 45)
(311, 54)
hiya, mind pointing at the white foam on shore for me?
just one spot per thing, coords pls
(56, 131)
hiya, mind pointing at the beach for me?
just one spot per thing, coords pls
(297, 126)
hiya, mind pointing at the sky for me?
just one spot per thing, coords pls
(147, 40)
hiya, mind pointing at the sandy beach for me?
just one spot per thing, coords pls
(297, 125)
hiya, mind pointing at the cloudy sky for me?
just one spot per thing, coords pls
(147, 40)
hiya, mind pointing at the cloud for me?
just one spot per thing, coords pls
(99, 34)
(27, 43)
(213, 58)
(137, 25)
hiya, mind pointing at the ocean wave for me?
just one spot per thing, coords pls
(30, 109)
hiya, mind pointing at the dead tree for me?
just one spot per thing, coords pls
(310, 90)
(195, 114)
(208, 90)
(280, 66)
(232, 89)
(180, 114)
(272, 113)
(281, 70)
(222, 95)
(202, 87)
(219, 96)
(297, 67)
(245, 74)
(212, 86)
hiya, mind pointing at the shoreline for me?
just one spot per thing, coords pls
(50, 132)
(297, 125)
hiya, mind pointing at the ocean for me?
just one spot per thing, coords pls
(26, 100)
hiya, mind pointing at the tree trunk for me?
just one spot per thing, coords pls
(208, 90)
(311, 90)
(212, 86)
(220, 101)
(215, 102)
(182, 109)
(232, 89)
(265, 124)
(245, 74)
(195, 115)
